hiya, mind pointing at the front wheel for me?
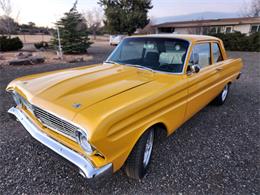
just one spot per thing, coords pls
(140, 157)
(221, 98)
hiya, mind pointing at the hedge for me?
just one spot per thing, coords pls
(41, 45)
(10, 44)
(240, 42)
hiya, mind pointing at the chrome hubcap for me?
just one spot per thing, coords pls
(148, 148)
(224, 93)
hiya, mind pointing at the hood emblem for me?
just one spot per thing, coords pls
(76, 105)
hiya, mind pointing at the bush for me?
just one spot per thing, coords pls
(240, 42)
(254, 42)
(10, 44)
(41, 44)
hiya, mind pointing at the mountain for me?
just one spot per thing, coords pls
(195, 16)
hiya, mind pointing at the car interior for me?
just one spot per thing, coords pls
(160, 55)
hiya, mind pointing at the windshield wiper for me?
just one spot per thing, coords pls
(142, 67)
(110, 62)
(132, 65)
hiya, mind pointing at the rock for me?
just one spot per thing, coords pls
(37, 59)
(56, 58)
(23, 55)
(2, 57)
(3, 63)
(17, 62)
(27, 61)
(75, 60)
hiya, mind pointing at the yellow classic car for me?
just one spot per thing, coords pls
(106, 116)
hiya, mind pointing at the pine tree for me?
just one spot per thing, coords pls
(73, 32)
(125, 16)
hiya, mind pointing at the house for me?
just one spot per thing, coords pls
(244, 25)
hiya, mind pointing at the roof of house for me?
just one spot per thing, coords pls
(212, 22)
(188, 37)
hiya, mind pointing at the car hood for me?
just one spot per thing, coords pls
(67, 92)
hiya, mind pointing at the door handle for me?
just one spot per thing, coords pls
(219, 68)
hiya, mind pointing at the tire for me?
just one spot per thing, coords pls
(221, 98)
(140, 157)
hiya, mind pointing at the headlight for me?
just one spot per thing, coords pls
(83, 141)
(16, 98)
(19, 100)
(27, 104)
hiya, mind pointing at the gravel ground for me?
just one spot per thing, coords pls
(216, 152)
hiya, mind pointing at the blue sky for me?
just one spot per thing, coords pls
(46, 12)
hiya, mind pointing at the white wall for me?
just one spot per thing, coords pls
(243, 28)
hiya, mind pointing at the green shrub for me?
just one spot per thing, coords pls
(10, 44)
(240, 42)
(41, 44)
(254, 42)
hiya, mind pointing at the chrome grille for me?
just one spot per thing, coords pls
(55, 123)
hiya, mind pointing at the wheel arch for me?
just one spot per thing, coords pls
(161, 132)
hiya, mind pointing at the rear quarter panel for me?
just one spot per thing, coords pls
(231, 69)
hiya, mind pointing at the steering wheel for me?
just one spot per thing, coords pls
(165, 67)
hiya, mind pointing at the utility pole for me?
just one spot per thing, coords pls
(60, 54)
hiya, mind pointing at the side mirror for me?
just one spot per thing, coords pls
(195, 68)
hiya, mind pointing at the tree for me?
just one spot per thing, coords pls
(31, 24)
(251, 9)
(73, 32)
(8, 25)
(255, 8)
(94, 20)
(6, 20)
(149, 28)
(6, 7)
(124, 16)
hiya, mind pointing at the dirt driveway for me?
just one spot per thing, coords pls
(216, 152)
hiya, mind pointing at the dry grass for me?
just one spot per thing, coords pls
(50, 57)
(29, 39)
(33, 38)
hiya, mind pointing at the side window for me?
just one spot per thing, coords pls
(255, 28)
(201, 55)
(217, 56)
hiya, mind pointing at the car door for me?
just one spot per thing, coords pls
(202, 86)
(220, 64)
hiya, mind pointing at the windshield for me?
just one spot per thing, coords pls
(160, 54)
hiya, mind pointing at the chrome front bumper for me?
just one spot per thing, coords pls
(87, 169)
